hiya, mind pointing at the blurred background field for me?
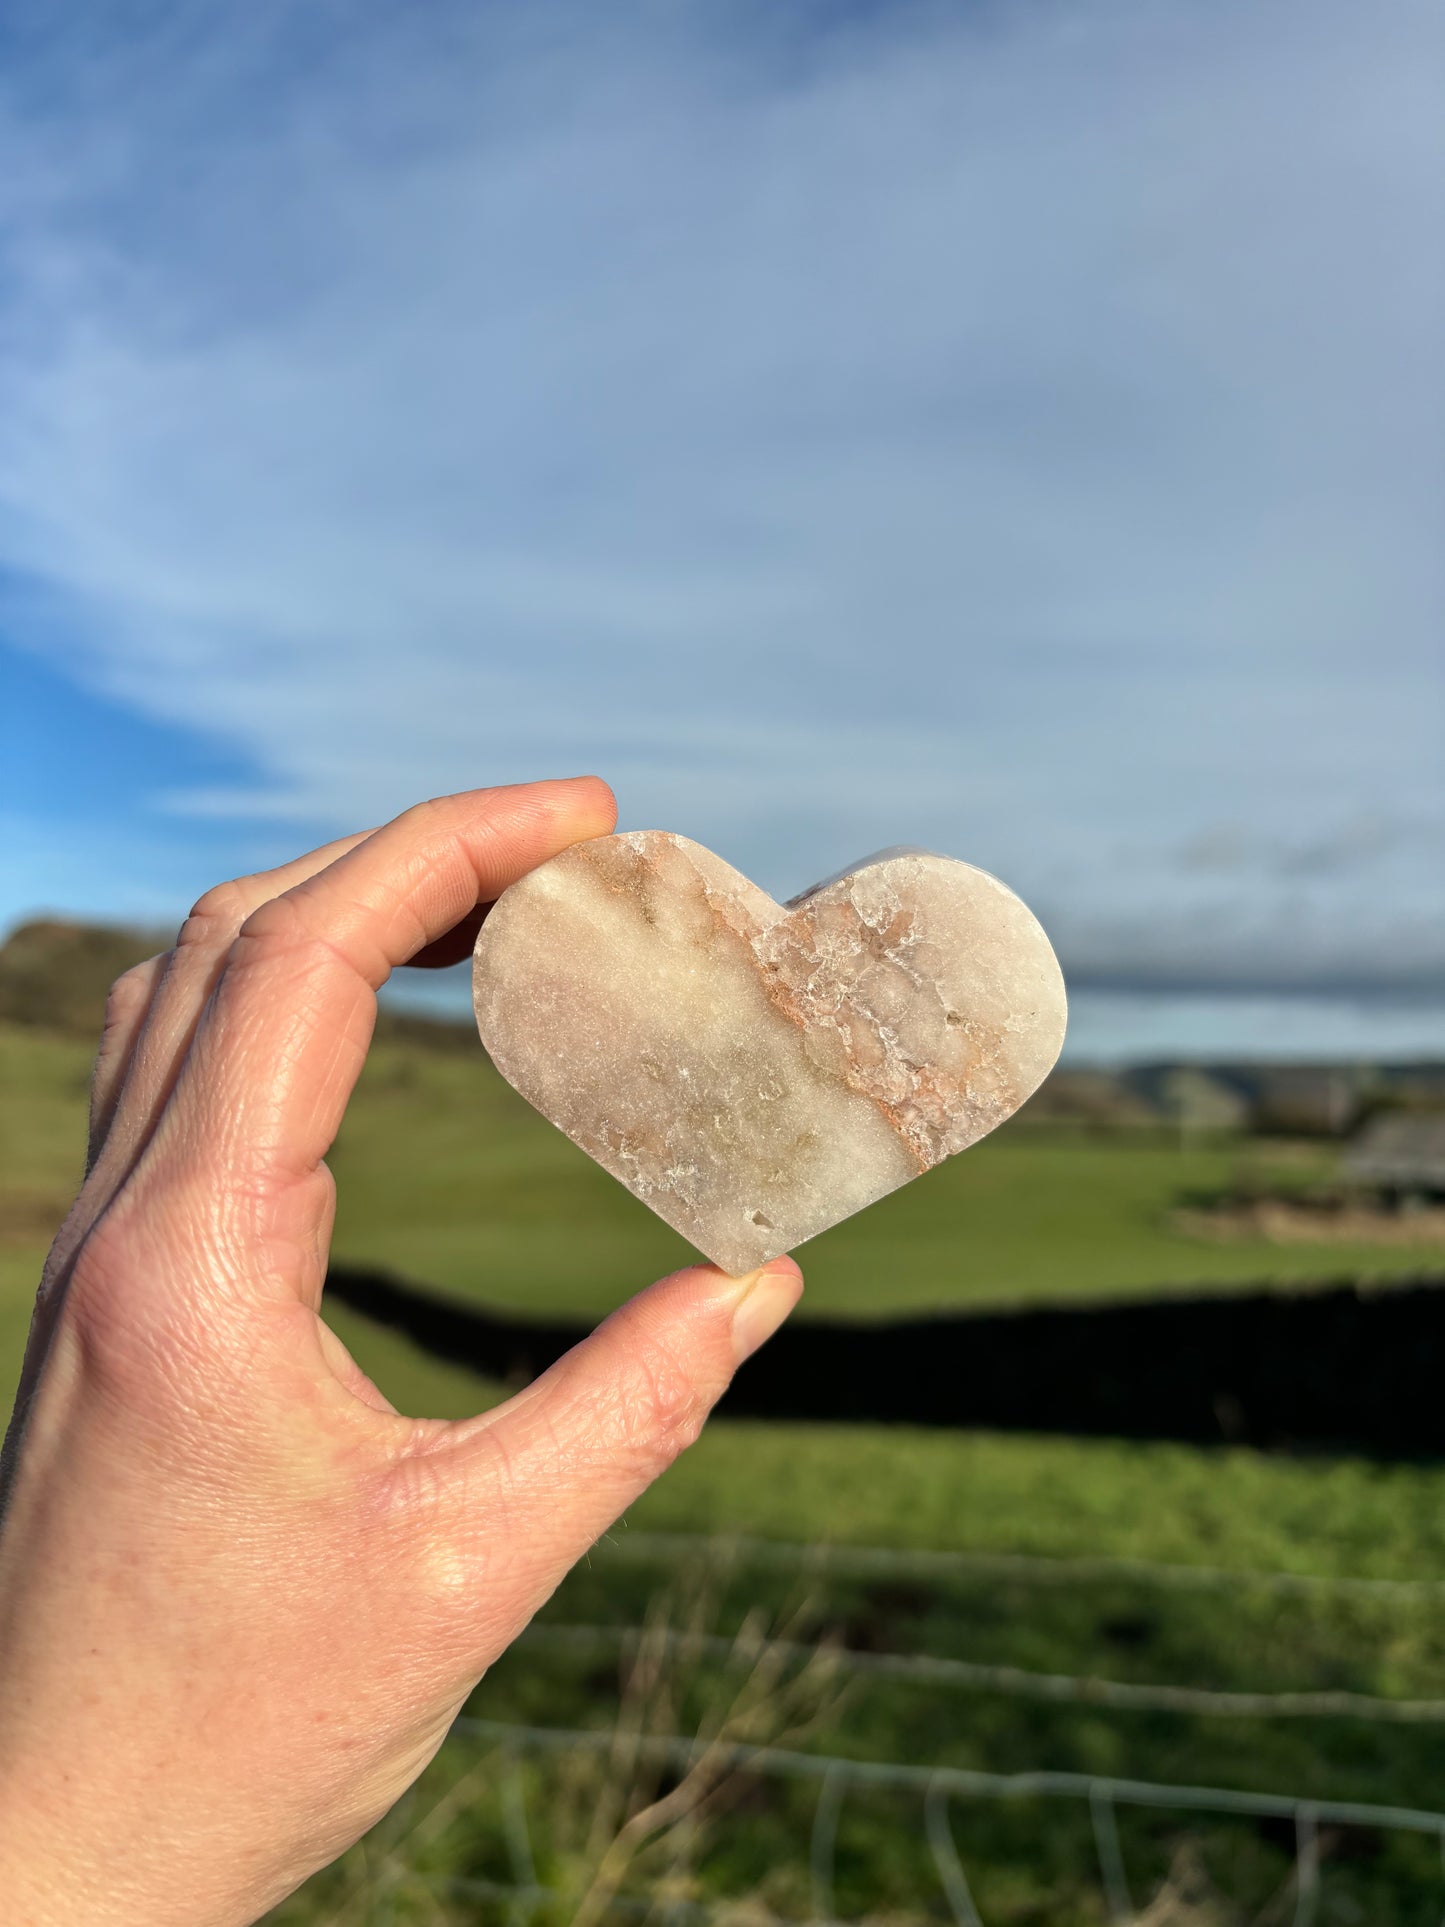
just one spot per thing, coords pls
(1055, 1576)
(1104, 1186)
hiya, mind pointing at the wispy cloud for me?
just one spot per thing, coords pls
(1358, 843)
(1014, 430)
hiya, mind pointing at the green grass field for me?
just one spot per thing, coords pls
(447, 1178)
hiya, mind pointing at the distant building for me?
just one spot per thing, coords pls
(1090, 1097)
(1400, 1156)
(1196, 1100)
(1309, 1100)
(1288, 1100)
(1419, 1086)
(1191, 1097)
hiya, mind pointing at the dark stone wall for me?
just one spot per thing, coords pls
(1336, 1367)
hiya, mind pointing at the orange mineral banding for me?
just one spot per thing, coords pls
(756, 1071)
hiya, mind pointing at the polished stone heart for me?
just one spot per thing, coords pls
(755, 1071)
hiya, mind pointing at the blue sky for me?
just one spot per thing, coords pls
(1013, 428)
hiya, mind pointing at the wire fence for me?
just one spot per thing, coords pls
(949, 1878)
(926, 1669)
(865, 1562)
(938, 1787)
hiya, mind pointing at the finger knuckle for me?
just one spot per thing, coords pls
(660, 1409)
(431, 814)
(128, 995)
(274, 925)
(215, 917)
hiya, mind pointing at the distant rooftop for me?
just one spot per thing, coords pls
(1403, 1150)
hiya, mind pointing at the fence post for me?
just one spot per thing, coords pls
(1307, 1865)
(945, 1856)
(1111, 1854)
(825, 1841)
(519, 1839)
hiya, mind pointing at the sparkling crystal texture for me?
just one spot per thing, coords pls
(757, 1071)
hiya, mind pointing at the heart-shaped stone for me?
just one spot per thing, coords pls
(755, 1071)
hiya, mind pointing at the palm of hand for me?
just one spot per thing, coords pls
(226, 1562)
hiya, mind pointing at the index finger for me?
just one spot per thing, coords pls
(284, 1035)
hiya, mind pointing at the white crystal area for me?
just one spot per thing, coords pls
(756, 1072)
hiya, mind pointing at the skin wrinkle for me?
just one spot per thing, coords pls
(655, 1412)
(146, 1373)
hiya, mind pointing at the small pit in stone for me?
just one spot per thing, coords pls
(763, 1224)
(953, 1017)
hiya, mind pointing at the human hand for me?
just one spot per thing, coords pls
(241, 1597)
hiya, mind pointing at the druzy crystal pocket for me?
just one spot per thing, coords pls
(757, 1071)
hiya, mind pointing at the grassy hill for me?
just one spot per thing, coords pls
(445, 1175)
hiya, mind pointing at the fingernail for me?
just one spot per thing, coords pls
(765, 1305)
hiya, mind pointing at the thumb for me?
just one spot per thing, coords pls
(530, 1486)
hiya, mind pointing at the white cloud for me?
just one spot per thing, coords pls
(1015, 431)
